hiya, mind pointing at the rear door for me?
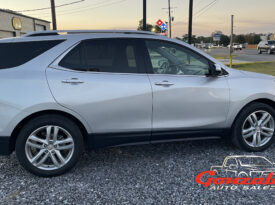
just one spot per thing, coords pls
(105, 82)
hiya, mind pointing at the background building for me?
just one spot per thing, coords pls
(14, 24)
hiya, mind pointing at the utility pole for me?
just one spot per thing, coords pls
(170, 20)
(144, 15)
(190, 21)
(231, 40)
(53, 15)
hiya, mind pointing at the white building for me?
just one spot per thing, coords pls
(14, 24)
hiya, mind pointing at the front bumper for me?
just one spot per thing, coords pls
(5, 146)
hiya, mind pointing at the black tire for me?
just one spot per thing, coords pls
(259, 51)
(237, 138)
(44, 120)
(269, 52)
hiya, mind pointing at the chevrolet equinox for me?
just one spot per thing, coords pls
(62, 91)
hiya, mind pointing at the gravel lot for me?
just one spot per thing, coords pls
(147, 174)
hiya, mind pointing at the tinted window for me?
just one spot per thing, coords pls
(16, 54)
(169, 58)
(74, 59)
(105, 55)
(271, 42)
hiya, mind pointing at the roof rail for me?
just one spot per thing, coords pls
(64, 32)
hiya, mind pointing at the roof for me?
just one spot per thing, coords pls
(64, 32)
(19, 14)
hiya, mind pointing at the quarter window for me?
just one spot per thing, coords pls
(16, 54)
(168, 58)
(104, 55)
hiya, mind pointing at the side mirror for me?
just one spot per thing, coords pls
(216, 70)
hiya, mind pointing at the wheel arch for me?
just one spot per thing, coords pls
(266, 101)
(24, 121)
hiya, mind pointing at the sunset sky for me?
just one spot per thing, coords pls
(250, 15)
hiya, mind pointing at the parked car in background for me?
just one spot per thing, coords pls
(62, 91)
(266, 46)
(236, 46)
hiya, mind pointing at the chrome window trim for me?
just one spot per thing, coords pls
(55, 65)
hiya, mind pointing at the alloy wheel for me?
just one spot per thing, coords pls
(49, 147)
(258, 128)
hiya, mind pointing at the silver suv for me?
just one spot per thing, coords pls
(62, 91)
(266, 46)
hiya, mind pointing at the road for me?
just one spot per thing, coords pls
(145, 174)
(246, 55)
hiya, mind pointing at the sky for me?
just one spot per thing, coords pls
(250, 15)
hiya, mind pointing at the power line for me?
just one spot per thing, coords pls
(45, 8)
(74, 9)
(86, 9)
(205, 7)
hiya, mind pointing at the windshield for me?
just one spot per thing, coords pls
(254, 161)
(271, 42)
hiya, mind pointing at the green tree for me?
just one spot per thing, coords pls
(149, 27)
(225, 40)
(240, 39)
(252, 38)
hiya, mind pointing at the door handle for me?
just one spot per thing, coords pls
(72, 81)
(164, 83)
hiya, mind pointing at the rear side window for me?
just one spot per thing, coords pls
(104, 55)
(16, 54)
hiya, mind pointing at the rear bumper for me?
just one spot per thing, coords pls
(5, 146)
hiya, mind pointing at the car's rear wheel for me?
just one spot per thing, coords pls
(254, 127)
(49, 145)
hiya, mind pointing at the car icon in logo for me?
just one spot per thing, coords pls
(244, 166)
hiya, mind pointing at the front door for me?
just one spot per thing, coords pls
(185, 98)
(104, 81)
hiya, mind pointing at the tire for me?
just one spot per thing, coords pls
(26, 146)
(259, 51)
(246, 141)
(269, 52)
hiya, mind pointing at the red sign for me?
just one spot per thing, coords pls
(159, 22)
(211, 179)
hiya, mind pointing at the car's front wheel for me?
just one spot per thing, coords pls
(49, 145)
(254, 127)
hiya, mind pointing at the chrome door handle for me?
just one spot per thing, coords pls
(72, 81)
(164, 83)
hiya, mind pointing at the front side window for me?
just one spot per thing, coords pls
(18, 53)
(169, 58)
(104, 55)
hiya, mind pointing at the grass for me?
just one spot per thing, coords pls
(222, 57)
(259, 67)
